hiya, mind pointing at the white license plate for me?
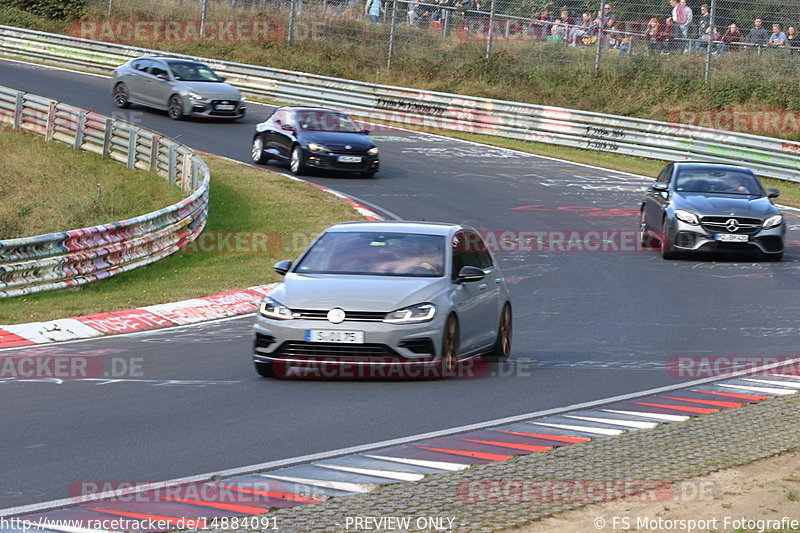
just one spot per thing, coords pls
(325, 335)
(730, 237)
(349, 159)
(225, 107)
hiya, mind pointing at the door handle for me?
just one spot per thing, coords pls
(482, 287)
(498, 281)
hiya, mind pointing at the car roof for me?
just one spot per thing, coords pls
(424, 228)
(168, 59)
(699, 165)
(300, 108)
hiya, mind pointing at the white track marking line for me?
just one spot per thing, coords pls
(583, 429)
(439, 465)
(779, 392)
(336, 485)
(616, 421)
(388, 474)
(657, 416)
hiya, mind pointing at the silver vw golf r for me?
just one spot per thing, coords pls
(385, 299)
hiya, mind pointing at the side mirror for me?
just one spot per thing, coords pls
(773, 193)
(282, 267)
(222, 78)
(470, 273)
(365, 132)
(287, 127)
(660, 187)
(162, 77)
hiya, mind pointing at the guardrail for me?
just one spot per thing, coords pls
(769, 157)
(77, 257)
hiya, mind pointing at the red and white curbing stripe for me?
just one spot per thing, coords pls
(226, 304)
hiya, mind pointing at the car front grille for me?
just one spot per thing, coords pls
(335, 351)
(349, 316)
(715, 224)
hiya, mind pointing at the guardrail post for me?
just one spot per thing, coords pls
(80, 129)
(186, 171)
(50, 122)
(155, 146)
(108, 131)
(18, 107)
(171, 168)
(490, 36)
(133, 141)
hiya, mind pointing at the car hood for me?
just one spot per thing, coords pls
(336, 140)
(211, 90)
(706, 204)
(355, 293)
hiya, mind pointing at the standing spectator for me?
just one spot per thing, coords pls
(792, 40)
(778, 38)
(666, 36)
(580, 30)
(544, 20)
(373, 9)
(758, 34)
(607, 15)
(441, 12)
(703, 22)
(729, 39)
(682, 17)
(651, 35)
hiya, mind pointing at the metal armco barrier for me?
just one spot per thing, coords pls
(77, 257)
(769, 157)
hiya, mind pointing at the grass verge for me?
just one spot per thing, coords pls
(69, 188)
(255, 219)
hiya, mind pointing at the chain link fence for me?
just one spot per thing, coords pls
(735, 38)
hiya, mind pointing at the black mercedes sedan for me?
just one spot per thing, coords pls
(705, 207)
(310, 138)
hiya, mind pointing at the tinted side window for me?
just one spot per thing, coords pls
(469, 250)
(142, 65)
(665, 175)
(157, 69)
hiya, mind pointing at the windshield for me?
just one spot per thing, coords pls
(193, 72)
(718, 181)
(326, 121)
(379, 254)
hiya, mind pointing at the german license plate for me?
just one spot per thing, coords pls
(349, 159)
(325, 335)
(730, 237)
(225, 107)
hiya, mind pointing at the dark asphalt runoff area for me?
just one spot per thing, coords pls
(588, 324)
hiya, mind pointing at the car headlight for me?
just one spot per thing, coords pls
(373, 151)
(243, 99)
(314, 147)
(772, 221)
(413, 314)
(275, 310)
(686, 216)
(195, 96)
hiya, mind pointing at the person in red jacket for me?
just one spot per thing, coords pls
(729, 39)
(666, 34)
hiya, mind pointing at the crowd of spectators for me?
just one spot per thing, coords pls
(683, 31)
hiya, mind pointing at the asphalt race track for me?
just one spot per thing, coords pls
(588, 324)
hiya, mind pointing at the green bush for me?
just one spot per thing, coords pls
(49, 9)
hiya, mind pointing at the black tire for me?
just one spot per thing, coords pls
(297, 162)
(121, 96)
(775, 257)
(265, 369)
(505, 329)
(368, 174)
(257, 152)
(667, 249)
(448, 363)
(175, 107)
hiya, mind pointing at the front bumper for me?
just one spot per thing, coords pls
(211, 108)
(692, 238)
(330, 161)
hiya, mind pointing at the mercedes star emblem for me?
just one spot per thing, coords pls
(732, 225)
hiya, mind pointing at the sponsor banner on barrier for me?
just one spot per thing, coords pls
(124, 321)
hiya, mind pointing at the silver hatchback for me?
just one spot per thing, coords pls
(181, 88)
(385, 299)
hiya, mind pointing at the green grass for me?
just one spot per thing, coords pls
(49, 186)
(245, 201)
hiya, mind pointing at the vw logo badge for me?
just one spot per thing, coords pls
(348, 147)
(336, 315)
(732, 225)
